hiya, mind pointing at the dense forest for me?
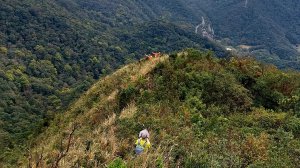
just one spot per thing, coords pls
(53, 51)
(49, 57)
(201, 111)
(270, 27)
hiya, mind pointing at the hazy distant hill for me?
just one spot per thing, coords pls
(273, 25)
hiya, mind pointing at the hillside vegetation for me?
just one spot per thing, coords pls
(53, 51)
(270, 27)
(201, 112)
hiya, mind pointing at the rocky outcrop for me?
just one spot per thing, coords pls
(205, 29)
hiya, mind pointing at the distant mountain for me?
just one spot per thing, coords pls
(270, 27)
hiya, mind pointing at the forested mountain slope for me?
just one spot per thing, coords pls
(53, 51)
(201, 112)
(270, 27)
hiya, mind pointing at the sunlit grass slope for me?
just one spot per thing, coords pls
(201, 111)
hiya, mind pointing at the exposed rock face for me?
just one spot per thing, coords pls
(246, 3)
(298, 47)
(205, 29)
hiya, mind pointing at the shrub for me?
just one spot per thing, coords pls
(127, 95)
(255, 149)
(117, 163)
(3, 50)
(293, 124)
(159, 162)
(267, 118)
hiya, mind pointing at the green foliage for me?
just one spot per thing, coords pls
(201, 111)
(159, 162)
(3, 50)
(216, 100)
(293, 125)
(52, 51)
(292, 102)
(245, 27)
(127, 95)
(117, 163)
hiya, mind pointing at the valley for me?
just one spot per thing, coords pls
(53, 53)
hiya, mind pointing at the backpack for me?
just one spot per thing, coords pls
(140, 148)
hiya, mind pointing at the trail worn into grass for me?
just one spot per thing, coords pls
(94, 113)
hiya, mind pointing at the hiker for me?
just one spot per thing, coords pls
(144, 132)
(142, 144)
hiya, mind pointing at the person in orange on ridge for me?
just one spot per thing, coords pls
(156, 54)
(148, 57)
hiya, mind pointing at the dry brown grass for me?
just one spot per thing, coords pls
(94, 113)
(113, 95)
(129, 111)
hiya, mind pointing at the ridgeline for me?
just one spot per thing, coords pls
(201, 111)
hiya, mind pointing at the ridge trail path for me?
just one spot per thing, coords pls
(94, 114)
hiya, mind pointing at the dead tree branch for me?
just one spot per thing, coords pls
(63, 152)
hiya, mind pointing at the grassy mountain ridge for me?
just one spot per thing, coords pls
(52, 51)
(200, 110)
(105, 91)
